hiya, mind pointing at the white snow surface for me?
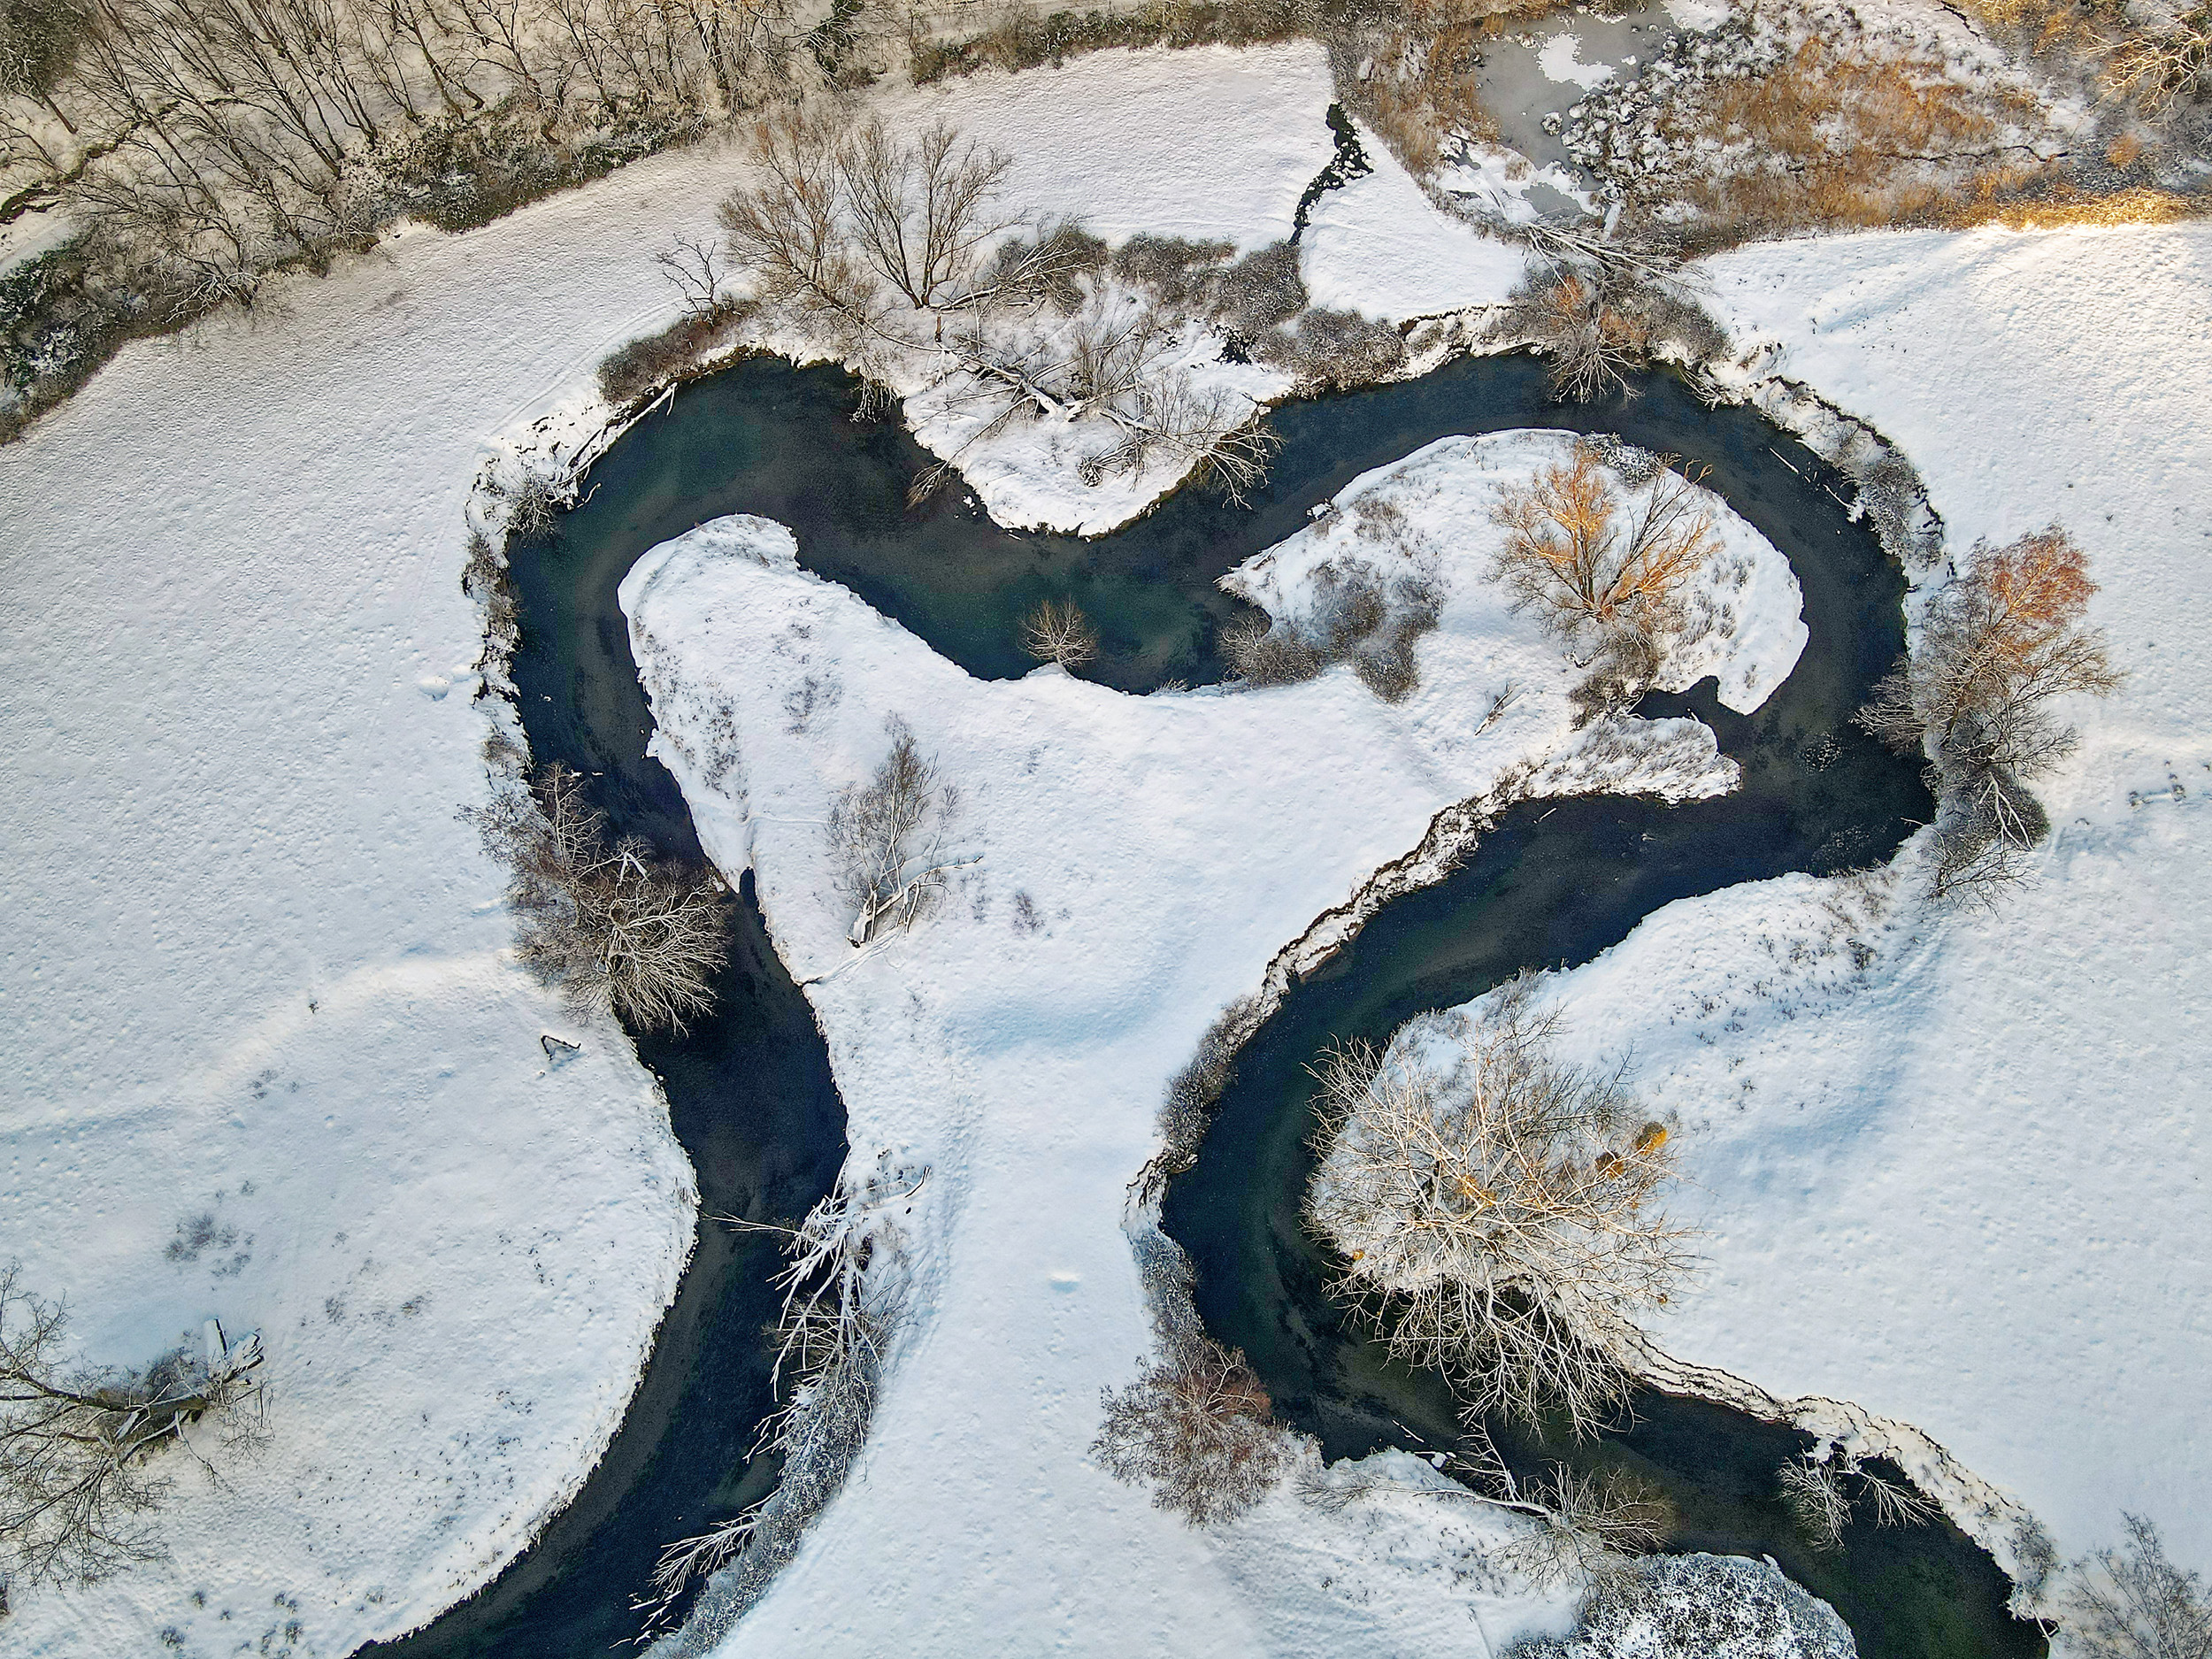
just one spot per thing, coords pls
(1432, 511)
(1953, 1167)
(1169, 845)
(1379, 245)
(1212, 143)
(238, 718)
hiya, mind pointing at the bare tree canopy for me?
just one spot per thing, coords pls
(1502, 1222)
(1198, 1426)
(1996, 648)
(886, 837)
(79, 1445)
(1591, 559)
(1058, 631)
(2135, 1604)
(607, 923)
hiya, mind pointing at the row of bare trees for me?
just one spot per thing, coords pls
(1997, 647)
(215, 139)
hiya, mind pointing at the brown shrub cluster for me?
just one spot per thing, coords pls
(1198, 1427)
(632, 374)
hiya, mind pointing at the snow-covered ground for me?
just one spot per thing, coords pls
(1141, 860)
(1953, 1166)
(255, 969)
(1971, 1186)
(251, 944)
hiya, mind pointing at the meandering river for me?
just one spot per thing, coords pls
(750, 1093)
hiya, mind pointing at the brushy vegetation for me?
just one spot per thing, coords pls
(608, 924)
(1997, 647)
(1501, 1222)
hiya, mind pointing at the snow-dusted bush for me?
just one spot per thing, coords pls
(1354, 616)
(630, 372)
(81, 1446)
(1058, 631)
(1335, 350)
(2135, 1604)
(886, 837)
(609, 925)
(1700, 1607)
(1198, 1427)
(1498, 1219)
(1996, 648)
(1606, 565)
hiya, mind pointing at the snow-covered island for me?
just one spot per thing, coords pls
(344, 1238)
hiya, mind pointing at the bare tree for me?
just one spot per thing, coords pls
(1593, 563)
(1996, 647)
(886, 837)
(2134, 1604)
(79, 1445)
(921, 212)
(1058, 631)
(605, 922)
(693, 266)
(1198, 1425)
(1501, 1222)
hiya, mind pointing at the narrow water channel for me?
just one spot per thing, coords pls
(750, 1093)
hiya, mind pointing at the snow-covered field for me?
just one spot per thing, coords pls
(1141, 860)
(253, 971)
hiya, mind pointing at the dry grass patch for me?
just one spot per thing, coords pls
(1841, 134)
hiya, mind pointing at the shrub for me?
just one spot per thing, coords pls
(885, 837)
(1336, 349)
(1197, 1426)
(1502, 1223)
(609, 925)
(1258, 291)
(1174, 270)
(631, 374)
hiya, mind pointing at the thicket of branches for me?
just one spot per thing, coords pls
(1058, 631)
(605, 922)
(2133, 1602)
(887, 838)
(1500, 1223)
(1598, 313)
(1606, 570)
(81, 1446)
(1823, 1492)
(831, 1339)
(1996, 648)
(1197, 1427)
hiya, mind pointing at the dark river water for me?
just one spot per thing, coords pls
(750, 1093)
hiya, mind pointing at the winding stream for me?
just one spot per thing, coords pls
(750, 1093)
